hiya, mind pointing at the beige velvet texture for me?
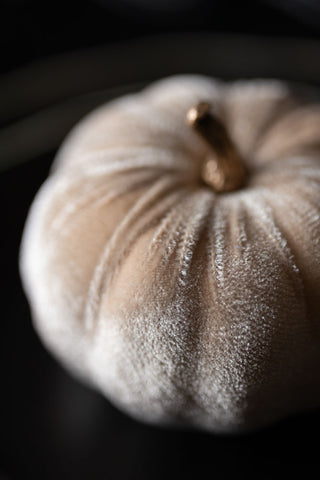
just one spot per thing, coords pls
(184, 306)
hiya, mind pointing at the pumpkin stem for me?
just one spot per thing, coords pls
(223, 169)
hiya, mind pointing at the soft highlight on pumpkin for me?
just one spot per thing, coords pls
(181, 305)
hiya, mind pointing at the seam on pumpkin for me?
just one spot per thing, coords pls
(99, 284)
(277, 115)
(268, 223)
(115, 160)
(310, 216)
(86, 198)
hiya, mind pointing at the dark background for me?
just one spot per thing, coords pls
(31, 30)
(60, 59)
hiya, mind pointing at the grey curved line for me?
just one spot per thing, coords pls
(42, 132)
(58, 91)
(56, 78)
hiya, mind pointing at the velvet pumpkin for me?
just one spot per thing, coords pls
(181, 304)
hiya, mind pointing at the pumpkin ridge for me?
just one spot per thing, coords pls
(220, 227)
(87, 199)
(280, 111)
(184, 376)
(99, 282)
(121, 160)
(299, 127)
(191, 233)
(138, 114)
(307, 211)
(267, 221)
(169, 226)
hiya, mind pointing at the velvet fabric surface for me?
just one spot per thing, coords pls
(181, 305)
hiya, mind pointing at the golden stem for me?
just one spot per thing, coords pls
(223, 169)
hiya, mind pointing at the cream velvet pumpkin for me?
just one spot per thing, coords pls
(182, 305)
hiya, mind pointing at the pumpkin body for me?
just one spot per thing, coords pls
(181, 305)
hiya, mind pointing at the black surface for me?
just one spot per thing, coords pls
(52, 427)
